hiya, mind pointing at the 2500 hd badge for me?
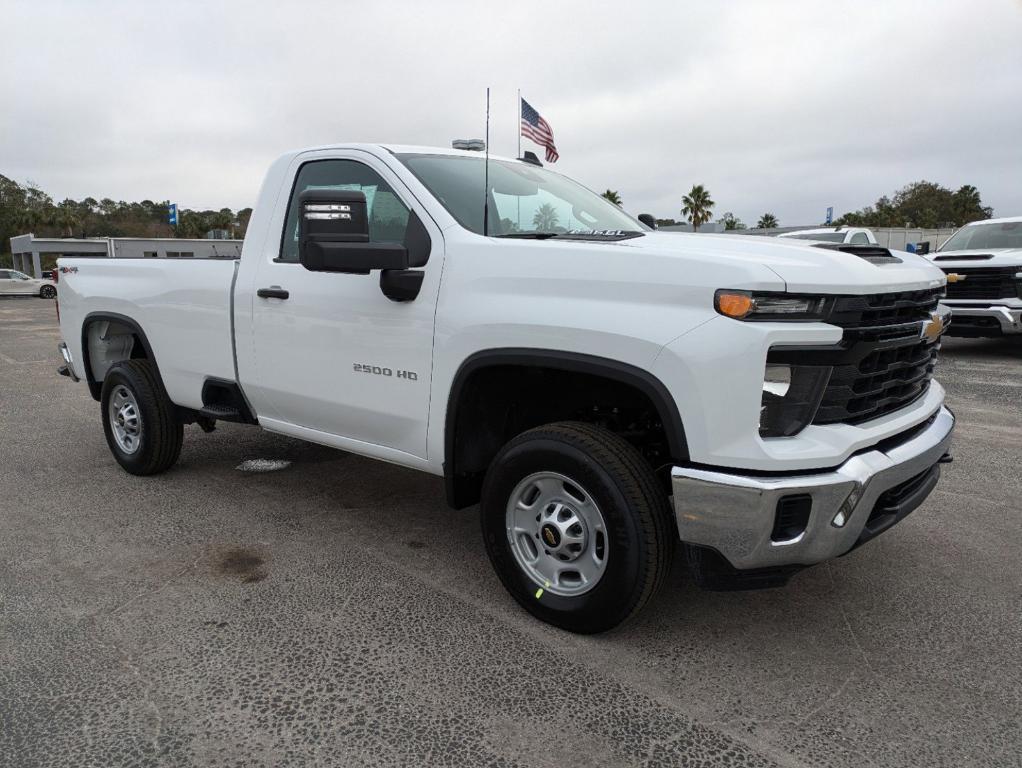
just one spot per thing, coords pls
(378, 370)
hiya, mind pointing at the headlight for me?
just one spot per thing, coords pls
(791, 396)
(750, 305)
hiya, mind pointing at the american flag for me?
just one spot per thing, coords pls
(536, 128)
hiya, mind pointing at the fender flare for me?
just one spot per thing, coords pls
(95, 387)
(642, 380)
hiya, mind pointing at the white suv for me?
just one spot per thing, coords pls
(14, 283)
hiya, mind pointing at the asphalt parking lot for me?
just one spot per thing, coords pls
(336, 612)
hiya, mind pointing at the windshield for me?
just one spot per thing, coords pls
(524, 201)
(1007, 234)
(827, 237)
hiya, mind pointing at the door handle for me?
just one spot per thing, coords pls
(273, 292)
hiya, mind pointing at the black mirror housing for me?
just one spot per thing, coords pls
(648, 220)
(333, 235)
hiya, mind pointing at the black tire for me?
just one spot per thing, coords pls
(635, 509)
(159, 442)
(48, 292)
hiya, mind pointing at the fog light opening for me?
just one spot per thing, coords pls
(791, 518)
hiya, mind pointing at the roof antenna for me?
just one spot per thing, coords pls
(486, 172)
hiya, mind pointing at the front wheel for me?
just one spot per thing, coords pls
(47, 292)
(576, 526)
(138, 418)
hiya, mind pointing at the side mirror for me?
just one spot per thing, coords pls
(333, 235)
(648, 220)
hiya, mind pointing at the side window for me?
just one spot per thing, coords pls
(4, 274)
(388, 216)
(859, 238)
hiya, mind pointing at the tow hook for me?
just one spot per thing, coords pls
(947, 458)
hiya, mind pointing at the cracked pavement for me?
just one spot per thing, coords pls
(336, 612)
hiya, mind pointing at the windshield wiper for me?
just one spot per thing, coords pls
(530, 235)
(598, 235)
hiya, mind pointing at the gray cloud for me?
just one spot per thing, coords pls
(782, 106)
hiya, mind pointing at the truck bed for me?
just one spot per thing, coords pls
(182, 307)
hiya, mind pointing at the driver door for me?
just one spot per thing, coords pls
(336, 360)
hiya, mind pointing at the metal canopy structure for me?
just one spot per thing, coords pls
(26, 250)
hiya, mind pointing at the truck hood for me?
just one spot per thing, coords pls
(803, 268)
(999, 257)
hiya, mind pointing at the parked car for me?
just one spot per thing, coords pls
(602, 390)
(846, 235)
(983, 263)
(14, 283)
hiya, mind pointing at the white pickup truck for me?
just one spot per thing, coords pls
(983, 263)
(602, 390)
(845, 235)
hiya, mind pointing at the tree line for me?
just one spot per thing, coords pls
(26, 208)
(921, 204)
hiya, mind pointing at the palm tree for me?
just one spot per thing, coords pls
(545, 219)
(697, 206)
(766, 221)
(612, 196)
(67, 217)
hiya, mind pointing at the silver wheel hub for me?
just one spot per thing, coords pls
(125, 419)
(557, 534)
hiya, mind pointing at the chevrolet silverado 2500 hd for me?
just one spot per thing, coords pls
(602, 390)
(983, 263)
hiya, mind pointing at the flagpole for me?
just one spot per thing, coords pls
(518, 129)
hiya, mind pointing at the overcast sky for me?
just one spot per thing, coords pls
(786, 107)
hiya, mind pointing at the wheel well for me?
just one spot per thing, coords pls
(498, 396)
(109, 339)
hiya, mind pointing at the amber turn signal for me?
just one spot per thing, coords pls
(736, 305)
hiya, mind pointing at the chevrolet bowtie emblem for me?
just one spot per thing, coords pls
(954, 277)
(932, 328)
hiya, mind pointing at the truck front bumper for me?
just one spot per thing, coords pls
(737, 515)
(992, 319)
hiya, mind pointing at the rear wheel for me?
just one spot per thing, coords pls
(47, 292)
(576, 526)
(138, 418)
